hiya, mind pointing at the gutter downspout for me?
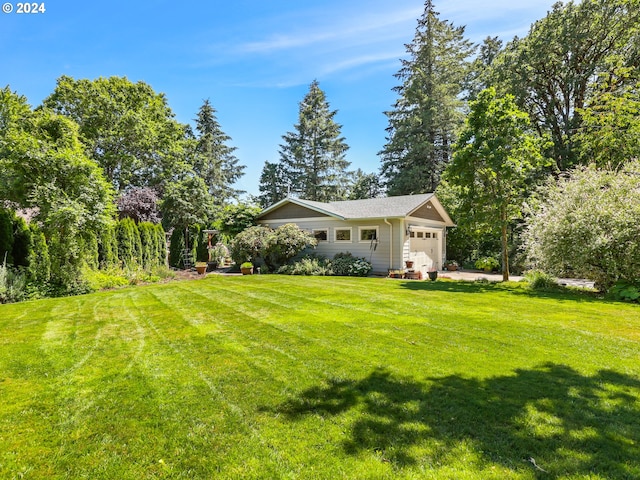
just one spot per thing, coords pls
(390, 243)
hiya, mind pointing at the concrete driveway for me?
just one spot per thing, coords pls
(473, 275)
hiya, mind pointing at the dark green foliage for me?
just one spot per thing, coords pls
(176, 248)
(6, 236)
(424, 119)
(147, 244)
(161, 244)
(21, 242)
(202, 253)
(128, 241)
(186, 202)
(365, 185)
(626, 291)
(553, 70)
(313, 156)
(214, 161)
(345, 264)
(92, 254)
(274, 184)
(39, 268)
(108, 246)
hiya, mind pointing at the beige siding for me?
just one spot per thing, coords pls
(379, 258)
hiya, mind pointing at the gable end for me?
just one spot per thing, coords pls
(290, 211)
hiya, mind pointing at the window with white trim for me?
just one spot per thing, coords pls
(366, 234)
(321, 234)
(342, 234)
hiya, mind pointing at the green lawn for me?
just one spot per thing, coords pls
(288, 377)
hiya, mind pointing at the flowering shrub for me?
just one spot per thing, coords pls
(345, 264)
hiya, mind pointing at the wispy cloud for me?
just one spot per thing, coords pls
(367, 29)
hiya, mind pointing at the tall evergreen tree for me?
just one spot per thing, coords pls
(313, 156)
(423, 121)
(214, 160)
(274, 185)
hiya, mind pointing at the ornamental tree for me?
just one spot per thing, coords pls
(495, 160)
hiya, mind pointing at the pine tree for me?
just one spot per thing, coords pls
(424, 119)
(313, 156)
(274, 185)
(214, 160)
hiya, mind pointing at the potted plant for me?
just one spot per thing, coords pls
(433, 274)
(201, 267)
(451, 265)
(487, 264)
(409, 264)
(247, 268)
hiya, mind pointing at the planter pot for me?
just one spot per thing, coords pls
(247, 271)
(409, 263)
(201, 269)
(452, 268)
(433, 276)
(211, 266)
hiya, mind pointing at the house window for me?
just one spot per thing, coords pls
(343, 234)
(427, 235)
(412, 234)
(434, 235)
(420, 234)
(321, 234)
(366, 234)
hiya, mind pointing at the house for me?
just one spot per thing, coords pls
(386, 231)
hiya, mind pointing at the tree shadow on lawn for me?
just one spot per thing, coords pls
(568, 423)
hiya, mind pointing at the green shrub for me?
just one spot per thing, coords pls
(108, 247)
(39, 269)
(345, 264)
(487, 263)
(6, 236)
(176, 247)
(626, 291)
(269, 247)
(161, 245)
(21, 243)
(541, 281)
(311, 266)
(129, 246)
(250, 244)
(147, 244)
(13, 285)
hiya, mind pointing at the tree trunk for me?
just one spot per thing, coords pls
(505, 246)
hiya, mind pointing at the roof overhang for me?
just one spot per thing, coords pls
(439, 208)
(300, 203)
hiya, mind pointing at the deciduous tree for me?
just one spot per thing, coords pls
(495, 159)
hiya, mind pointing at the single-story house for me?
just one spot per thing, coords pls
(386, 231)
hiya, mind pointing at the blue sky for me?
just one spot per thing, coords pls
(254, 60)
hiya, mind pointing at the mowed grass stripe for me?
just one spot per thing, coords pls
(288, 377)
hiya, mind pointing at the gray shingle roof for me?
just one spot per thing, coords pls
(384, 207)
(381, 207)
